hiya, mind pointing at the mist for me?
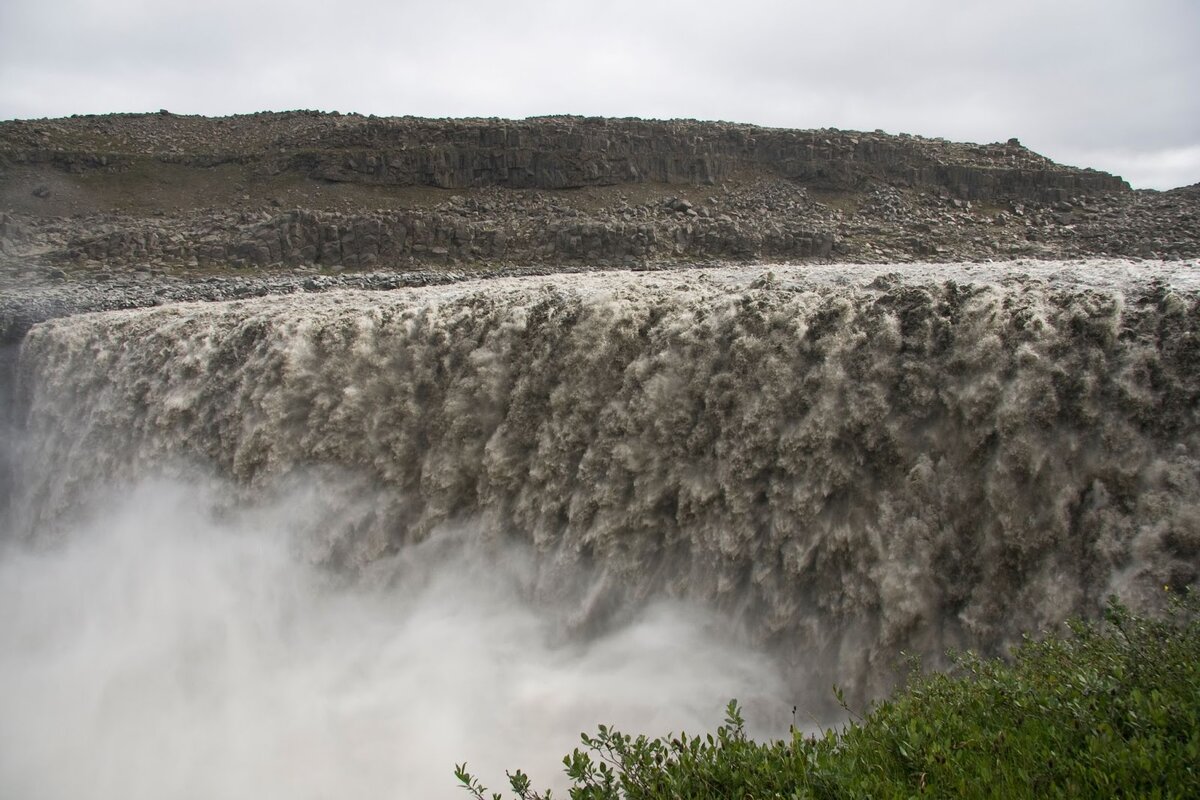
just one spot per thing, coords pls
(171, 645)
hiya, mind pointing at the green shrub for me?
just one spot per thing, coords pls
(1110, 709)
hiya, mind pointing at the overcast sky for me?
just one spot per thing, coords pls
(1110, 84)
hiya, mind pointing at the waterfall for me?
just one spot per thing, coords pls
(841, 464)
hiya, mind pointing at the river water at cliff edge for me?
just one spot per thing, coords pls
(331, 544)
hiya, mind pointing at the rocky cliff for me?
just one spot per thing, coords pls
(543, 153)
(89, 201)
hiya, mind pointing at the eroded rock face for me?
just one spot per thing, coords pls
(544, 153)
(333, 192)
(558, 153)
(496, 227)
(446, 236)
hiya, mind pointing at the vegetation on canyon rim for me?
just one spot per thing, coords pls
(1110, 708)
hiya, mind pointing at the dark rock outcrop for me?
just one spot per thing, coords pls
(96, 197)
(543, 153)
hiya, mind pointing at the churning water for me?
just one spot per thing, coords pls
(328, 545)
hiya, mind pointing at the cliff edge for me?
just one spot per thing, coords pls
(89, 195)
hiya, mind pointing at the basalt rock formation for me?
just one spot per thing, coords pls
(542, 153)
(332, 192)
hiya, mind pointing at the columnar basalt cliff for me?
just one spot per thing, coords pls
(546, 153)
(335, 192)
(565, 152)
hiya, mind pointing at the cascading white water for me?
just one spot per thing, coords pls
(845, 462)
